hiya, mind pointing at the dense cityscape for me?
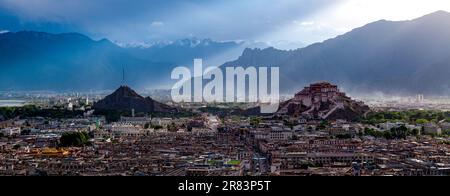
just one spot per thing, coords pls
(224, 96)
(320, 131)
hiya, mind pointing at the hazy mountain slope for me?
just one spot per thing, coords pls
(392, 57)
(381, 56)
(43, 61)
(183, 51)
(36, 60)
(126, 99)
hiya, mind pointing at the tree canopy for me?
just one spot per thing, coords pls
(74, 139)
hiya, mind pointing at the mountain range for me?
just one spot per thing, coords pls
(71, 61)
(126, 99)
(396, 57)
(403, 57)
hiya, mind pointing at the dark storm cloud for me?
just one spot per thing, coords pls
(144, 20)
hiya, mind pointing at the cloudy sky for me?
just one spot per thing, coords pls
(137, 21)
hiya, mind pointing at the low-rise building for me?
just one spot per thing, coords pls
(342, 130)
(280, 133)
(431, 128)
(11, 131)
(141, 121)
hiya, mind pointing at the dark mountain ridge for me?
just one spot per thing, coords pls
(384, 56)
(71, 61)
(402, 57)
(126, 99)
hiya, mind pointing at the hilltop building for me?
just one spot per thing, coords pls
(323, 100)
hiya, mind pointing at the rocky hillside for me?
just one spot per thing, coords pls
(323, 101)
(126, 99)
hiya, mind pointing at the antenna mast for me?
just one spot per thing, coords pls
(123, 76)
